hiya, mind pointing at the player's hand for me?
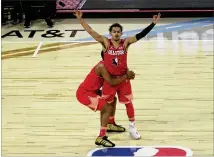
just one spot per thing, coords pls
(156, 18)
(78, 14)
(130, 74)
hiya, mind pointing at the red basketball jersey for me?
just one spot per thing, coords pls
(92, 82)
(115, 59)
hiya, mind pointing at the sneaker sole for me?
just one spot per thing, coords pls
(98, 144)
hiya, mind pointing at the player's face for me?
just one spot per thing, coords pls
(116, 33)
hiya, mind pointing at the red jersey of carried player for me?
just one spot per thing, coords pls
(87, 93)
(92, 82)
(116, 59)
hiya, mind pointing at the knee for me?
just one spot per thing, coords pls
(107, 108)
(113, 104)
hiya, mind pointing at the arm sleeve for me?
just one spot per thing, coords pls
(144, 32)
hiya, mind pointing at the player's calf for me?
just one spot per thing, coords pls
(102, 139)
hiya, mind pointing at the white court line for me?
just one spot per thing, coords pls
(37, 49)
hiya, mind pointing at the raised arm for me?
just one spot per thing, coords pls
(144, 32)
(94, 34)
(114, 81)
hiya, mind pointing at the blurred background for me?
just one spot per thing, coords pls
(16, 11)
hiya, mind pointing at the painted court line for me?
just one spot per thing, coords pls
(37, 50)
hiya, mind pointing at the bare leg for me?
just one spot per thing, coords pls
(104, 117)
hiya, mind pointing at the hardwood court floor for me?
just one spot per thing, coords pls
(173, 98)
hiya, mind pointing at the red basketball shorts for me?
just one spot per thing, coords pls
(90, 99)
(123, 90)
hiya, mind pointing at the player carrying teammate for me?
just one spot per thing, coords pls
(115, 60)
(88, 94)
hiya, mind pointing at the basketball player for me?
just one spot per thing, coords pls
(115, 61)
(88, 94)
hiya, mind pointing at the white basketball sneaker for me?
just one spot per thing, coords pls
(133, 131)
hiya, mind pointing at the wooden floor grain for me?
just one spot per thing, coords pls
(173, 98)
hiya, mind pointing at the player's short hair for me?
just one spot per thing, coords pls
(115, 25)
(102, 54)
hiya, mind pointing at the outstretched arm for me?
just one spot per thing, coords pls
(93, 33)
(143, 33)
